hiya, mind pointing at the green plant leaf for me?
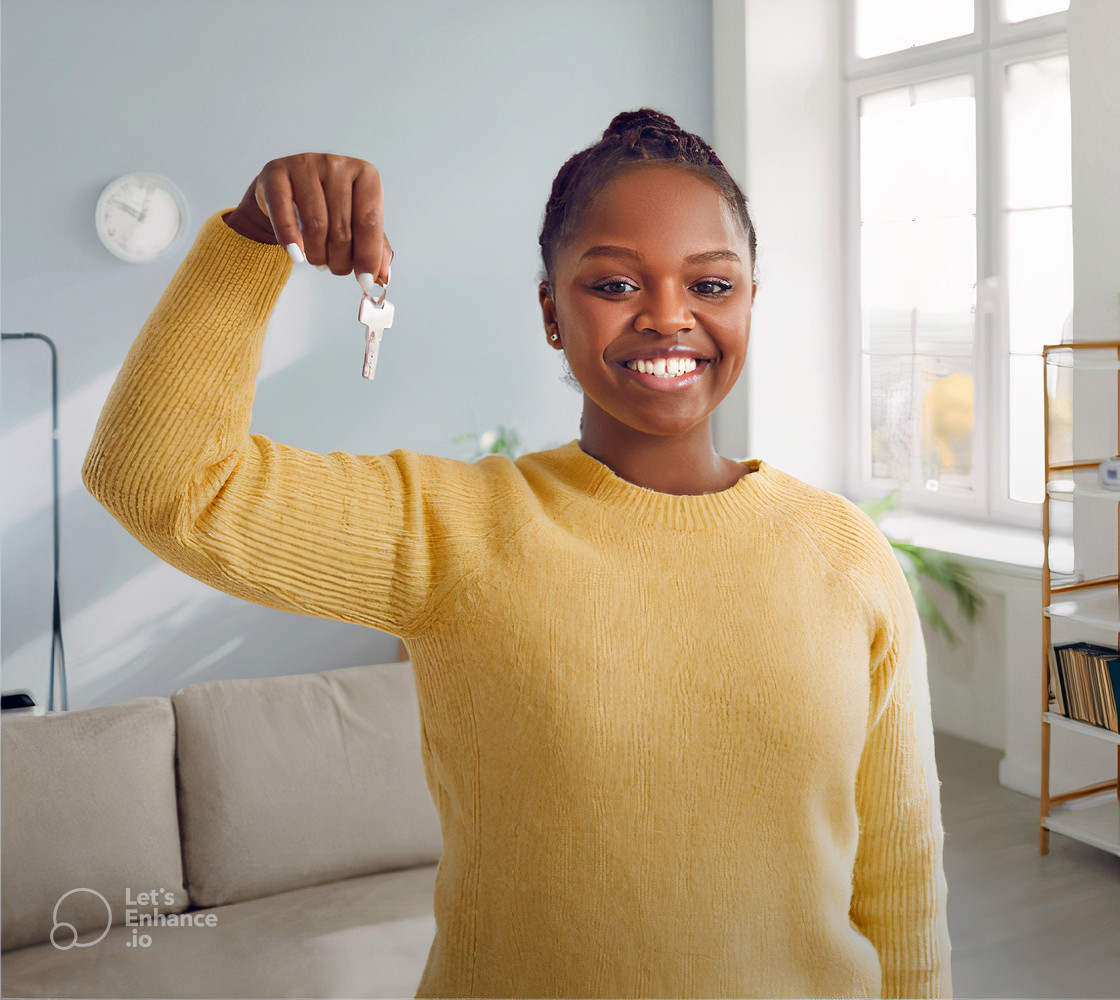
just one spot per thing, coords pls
(952, 574)
(875, 509)
(928, 610)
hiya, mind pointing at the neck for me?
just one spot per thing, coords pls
(684, 464)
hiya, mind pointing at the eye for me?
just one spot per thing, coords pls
(610, 287)
(715, 287)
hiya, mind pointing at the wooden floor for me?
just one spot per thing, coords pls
(1022, 924)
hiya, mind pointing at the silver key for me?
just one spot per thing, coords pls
(376, 317)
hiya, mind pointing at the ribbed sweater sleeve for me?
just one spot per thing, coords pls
(899, 898)
(172, 459)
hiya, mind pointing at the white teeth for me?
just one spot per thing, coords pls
(664, 368)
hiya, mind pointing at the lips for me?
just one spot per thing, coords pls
(668, 383)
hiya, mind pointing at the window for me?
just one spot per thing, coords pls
(960, 245)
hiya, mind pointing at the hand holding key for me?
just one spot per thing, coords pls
(327, 210)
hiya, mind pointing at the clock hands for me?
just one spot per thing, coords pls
(144, 207)
(127, 208)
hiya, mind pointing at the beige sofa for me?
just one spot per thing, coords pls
(241, 838)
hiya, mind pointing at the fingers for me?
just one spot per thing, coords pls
(274, 196)
(328, 210)
(371, 250)
(336, 176)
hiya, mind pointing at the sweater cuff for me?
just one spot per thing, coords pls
(224, 265)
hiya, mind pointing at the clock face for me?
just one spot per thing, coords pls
(139, 216)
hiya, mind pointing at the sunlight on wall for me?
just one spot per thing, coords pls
(25, 451)
(114, 634)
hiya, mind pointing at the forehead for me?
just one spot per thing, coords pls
(662, 207)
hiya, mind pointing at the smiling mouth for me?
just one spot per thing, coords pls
(666, 381)
(663, 369)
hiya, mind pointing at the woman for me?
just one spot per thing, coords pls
(675, 707)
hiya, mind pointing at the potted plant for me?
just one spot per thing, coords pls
(918, 562)
(503, 441)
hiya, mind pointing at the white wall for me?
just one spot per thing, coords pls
(1094, 42)
(468, 110)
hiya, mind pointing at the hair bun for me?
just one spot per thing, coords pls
(642, 118)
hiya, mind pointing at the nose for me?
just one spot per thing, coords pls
(663, 308)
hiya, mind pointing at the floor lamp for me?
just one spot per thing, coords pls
(58, 655)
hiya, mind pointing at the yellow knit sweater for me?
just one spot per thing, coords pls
(680, 746)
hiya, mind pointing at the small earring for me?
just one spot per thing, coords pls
(555, 336)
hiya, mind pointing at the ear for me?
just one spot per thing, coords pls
(548, 313)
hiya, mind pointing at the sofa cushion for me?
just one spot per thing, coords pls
(88, 803)
(301, 779)
(363, 937)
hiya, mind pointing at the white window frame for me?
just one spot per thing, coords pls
(984, 54)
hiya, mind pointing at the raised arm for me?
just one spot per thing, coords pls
(899, 893)
(338, 535)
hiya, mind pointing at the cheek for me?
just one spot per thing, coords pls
(732, 326)
(590, 324)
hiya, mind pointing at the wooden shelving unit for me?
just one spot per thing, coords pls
(1090, 814)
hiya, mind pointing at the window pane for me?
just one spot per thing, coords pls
(918, 151)
(922, 415)
(890, 25)
(1037, 143)
(927, 264)
(918, 198)
(1022, 10)
(918, 280)
(1039, 277)
(1039, 254)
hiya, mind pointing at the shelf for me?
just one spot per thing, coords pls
(1085, 486)
(1099, 732)
(1093, 820)
(1069, 359)
(1094, 606)
(1092, 817)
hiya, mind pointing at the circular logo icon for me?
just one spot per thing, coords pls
(74, 942)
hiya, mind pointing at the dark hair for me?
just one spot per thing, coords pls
(631, 137)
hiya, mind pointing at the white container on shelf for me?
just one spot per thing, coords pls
(1108, 472)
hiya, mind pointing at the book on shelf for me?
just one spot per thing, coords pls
(1084, 682)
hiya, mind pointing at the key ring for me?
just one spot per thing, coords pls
(384, 289)
(384, 292)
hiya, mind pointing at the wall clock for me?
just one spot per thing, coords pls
(139, 216)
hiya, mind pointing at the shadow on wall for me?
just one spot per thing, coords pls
(218, 637)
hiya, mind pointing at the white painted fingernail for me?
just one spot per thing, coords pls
(295, 253)
(365, 279)
(322, 267)
(389, 274)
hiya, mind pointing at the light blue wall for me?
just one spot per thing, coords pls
(467, 109)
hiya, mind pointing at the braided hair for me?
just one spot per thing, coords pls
(632, 136)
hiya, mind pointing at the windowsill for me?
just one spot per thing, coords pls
(1001, 547)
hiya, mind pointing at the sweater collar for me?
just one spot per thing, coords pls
(588, 475)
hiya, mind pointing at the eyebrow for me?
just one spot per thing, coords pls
(696, 258)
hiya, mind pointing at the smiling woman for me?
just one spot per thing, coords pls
(675, 705)
(657, 202)
(630, 285)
